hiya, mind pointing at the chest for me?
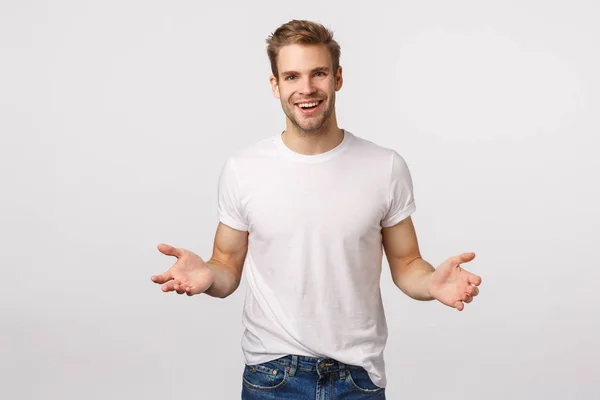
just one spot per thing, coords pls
(346, 204)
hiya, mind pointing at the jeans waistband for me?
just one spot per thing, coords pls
(320, 366)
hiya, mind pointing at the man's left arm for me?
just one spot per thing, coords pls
(449, 283)
(410, 272)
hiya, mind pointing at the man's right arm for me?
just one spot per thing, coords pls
(227, 261)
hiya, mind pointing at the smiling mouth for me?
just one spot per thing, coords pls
(309, 107)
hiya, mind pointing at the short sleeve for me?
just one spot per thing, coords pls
(229, 204)
(401, 202)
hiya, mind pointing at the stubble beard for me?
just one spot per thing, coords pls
(310, 128)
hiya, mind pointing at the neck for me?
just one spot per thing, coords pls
(313, 142)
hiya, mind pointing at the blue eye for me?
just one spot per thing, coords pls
(321, 73)
(287, 78)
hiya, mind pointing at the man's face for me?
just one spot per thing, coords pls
(306, 85)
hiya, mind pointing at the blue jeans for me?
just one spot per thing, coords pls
(307, 378)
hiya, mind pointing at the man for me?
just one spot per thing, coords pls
(310, 212)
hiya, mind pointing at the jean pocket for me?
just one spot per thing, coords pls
(359, 380)
(266, 376)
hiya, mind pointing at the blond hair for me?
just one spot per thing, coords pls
(301, 32)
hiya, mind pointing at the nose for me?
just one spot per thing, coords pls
(307, 87)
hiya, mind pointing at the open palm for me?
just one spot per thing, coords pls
(188, 275)
(452, 285)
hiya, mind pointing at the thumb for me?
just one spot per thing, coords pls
(169, 250)
(464, 257)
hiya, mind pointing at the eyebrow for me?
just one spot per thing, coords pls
(317, 69)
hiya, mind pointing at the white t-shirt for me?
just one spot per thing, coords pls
(315, 247)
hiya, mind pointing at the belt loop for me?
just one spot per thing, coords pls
(342, 367)
(294, 365)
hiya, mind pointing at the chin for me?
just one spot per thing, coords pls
(312, 127)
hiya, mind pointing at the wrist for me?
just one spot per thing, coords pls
(222, 281)
(211, 266)
(429, 289)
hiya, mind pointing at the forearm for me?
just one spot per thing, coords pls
(413, 278)
(225, 280)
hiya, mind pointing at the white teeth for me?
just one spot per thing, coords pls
(304, 105)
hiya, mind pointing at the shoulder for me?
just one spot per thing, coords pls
(375, 150)
(264, 147)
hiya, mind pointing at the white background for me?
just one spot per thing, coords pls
(116, 118)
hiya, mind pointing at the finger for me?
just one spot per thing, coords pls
(182, 284)
(191, 291)
(473, 279)
(468, 298)
(169, 286)
(470, 278)
(169, 250)
(180, 288)
(162, 278)
(462, 258)
(459, 305)
(472, 290)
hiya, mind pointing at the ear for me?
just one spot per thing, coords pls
(274, 86)
(339, 80)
